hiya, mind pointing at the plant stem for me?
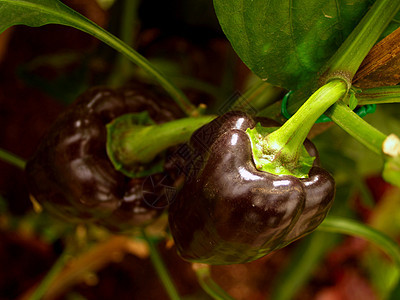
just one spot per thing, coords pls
(160, 268)
(55, 270)
(351, 227)
(12, 159)
(379, 95)
(287, 141)
(208, 284)
(130, 143)
(80, 22)
(350, 122)
(92, 260)
(346, 61)
(305, 259)
(122, 69)
(257, 97)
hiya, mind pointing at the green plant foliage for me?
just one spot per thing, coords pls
(287, 42)
(42, 12)
(37, 13)
(355, 228)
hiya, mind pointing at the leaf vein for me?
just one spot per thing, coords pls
(340, 20)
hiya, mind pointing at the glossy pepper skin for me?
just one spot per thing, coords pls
(228, 211)
(70, 174)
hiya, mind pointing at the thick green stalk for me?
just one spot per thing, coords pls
(379, 95)
(350, 122)
(161, 269)
(12, 159)
(285, 144)
(129, 143)
(346, 61)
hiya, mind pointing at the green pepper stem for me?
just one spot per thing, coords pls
(12, 159)
(286, 142)
(160, 268)
(379, 95)
(141, 144)
(350, 122)
(346, 61)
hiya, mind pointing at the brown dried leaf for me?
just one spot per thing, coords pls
(381, 67)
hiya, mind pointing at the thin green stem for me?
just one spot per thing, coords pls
(160, 268)
(287, 141)
(346, 61)
(379, 95)
(257, 97)
(305, 259)
(129, 21)
(350, 122)
(351, 227)
(78, 21)
(55, 270)
(12, 159)
(208, 284)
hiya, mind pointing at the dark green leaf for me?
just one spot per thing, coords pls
(287, 42)
(37, 13)
(67, 84)
(352, 101)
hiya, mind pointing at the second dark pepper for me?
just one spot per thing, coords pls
(71, 175)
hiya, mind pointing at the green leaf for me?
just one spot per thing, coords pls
(38, 13)
(287, 42)
(352, 101)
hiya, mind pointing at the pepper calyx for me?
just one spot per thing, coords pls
(120, 129)
(275, 162)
